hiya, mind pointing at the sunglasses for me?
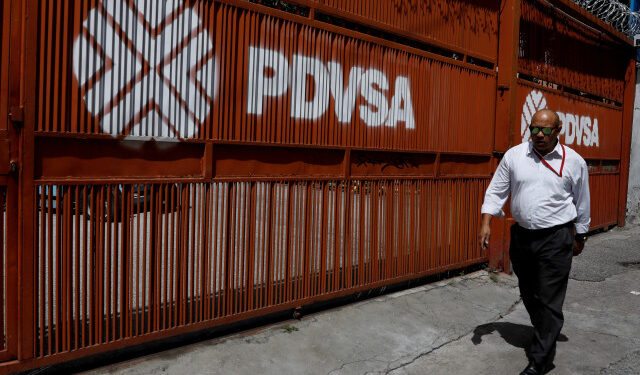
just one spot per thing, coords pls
(537, 129)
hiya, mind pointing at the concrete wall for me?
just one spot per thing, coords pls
(633, 196)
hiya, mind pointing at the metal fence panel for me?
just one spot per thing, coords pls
(556, 48)
(116, 261)
(466, 26)
(205, 72)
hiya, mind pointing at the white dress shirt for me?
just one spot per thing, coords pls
(539, 197)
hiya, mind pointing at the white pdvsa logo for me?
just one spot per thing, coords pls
(145, 69)
(271, 74)
(581, 130)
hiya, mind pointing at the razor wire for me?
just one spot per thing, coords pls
(615, 13)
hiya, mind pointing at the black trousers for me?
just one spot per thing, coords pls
(542, 260)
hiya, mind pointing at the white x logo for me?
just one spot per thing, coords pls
(141, 82)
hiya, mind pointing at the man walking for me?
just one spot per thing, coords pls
(549, 187)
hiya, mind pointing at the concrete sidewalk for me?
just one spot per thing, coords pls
(473, 324)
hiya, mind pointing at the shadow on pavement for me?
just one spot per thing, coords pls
(517, 335)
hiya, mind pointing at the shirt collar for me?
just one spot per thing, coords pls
(556, 152)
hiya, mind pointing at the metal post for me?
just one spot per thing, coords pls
(27, 255)
(625, 147)
(508, 44)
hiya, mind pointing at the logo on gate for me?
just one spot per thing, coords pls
(577, 129)
(146, 68)
(534, 102)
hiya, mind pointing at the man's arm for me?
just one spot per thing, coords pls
(495, 197)
(581, 199)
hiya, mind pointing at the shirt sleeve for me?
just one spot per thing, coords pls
(582, 200)
(499, 189)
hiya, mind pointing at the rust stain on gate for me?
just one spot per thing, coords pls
(181, 165)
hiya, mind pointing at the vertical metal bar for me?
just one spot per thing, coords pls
(289, 241)
(42, 256)
(131, 261)
(181, 265)
(67, 282)
(156, 256)
(20, 189)
(508, 47)
(270, 238)
(49, 252)
(625, 149)
(56, 267)
(146, 285)
(166, 230)
(192, 252)
(75, 279)
(346, 268)
(361, 232)
(204, 248)
(337, 230)
(110, 265)
(230, 243)
(100, 278)
(175, 210)
(376, 196)
(324, 246)
(253, 228)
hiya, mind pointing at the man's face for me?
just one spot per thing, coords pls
(544, 142)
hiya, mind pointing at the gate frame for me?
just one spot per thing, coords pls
(27, 257)
(22, 93)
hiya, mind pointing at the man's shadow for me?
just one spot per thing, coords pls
(517, 335)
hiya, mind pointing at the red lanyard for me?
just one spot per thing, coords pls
(549, 166)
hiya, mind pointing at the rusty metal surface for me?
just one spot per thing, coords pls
(188, 166)
(3, 271)
(328, 89)
(469, 26)
(557, 49)
(505, 113)
(122, 260)
(5, 32)
(604, 199)
(625, 144)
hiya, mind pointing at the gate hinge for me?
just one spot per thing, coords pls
(16, 114)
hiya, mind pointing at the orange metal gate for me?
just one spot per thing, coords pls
(184, 164)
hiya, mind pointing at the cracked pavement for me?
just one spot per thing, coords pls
(472, 324)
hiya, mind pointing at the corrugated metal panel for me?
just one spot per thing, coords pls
(333, 90)
(4, 259)
(467, 25)
(560, 50)
(5, 8)
(604, 198)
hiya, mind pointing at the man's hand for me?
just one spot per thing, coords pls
(577, 248)
(485, 231)
(484, 235)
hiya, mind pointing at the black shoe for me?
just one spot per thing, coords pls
(533, 369)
